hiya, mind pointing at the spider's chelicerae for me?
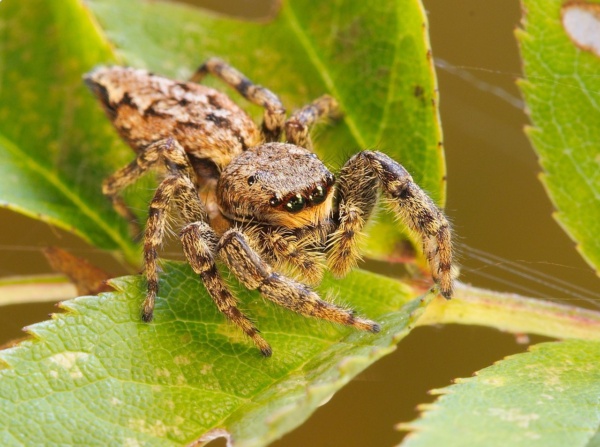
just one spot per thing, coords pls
(243, 197)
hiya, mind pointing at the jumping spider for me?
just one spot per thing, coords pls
(249, 200)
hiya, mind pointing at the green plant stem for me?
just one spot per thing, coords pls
(513, 313)
(35, 289)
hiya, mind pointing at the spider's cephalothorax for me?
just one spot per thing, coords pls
(242, 197)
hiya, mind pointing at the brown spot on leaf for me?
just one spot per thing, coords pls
(581, 21)
(418, 91)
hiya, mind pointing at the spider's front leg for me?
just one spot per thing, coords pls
(359, 180)
(177, 192)
(254, 273)
(200, 246)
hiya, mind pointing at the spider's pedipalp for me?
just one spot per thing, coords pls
(254, 273)
(283, 249)
(357, 191)
(199, 243)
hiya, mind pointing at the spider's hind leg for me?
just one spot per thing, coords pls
(274, 115)
(358, 183)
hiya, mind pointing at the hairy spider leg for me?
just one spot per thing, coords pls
(274, 115)
(167, 151)
(358, 183)
(199, 242)
(254, 273)
(356, 196)
(298, 125)
(176, 191)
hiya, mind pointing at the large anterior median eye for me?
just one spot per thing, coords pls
(295, 204)
(318, 195)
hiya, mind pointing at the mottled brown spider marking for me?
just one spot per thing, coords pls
(261, 208)
(145, 108)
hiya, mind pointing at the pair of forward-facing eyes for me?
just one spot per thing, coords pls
(296, 202)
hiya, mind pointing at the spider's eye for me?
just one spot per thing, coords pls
(251, 180)
(330, 179)
(295, 204)
(275, 201)
(318, 195)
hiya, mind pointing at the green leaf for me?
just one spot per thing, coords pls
(548, 397)
(55, 145)
(98, 376)
(561, 91)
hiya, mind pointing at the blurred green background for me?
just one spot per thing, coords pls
(495, 201)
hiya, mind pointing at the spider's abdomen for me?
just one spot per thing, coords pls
(145, 108)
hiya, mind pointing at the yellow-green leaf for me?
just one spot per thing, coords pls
(55, 145)
(561, 90)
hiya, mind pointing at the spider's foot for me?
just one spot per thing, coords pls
(148, 309)
(266, 351)
(445, 280)
(446, 293)
(147, 316)
(365, 325)
(265, 348)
